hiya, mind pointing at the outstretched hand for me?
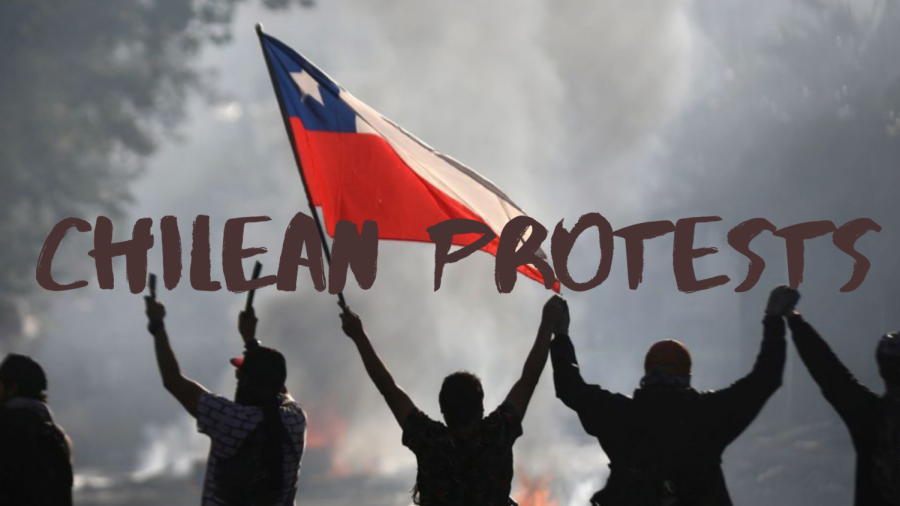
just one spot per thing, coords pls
(556, 315)
(156, 313)
(782, 301)
(247, 326)
(350, 322)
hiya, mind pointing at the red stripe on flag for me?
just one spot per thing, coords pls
(358, 177)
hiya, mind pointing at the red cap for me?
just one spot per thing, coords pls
(671, 356)
(264, 364)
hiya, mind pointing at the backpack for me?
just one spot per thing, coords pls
(244, 478)
(37, 460)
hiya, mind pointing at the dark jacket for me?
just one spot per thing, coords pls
(667, 442)
(35, 456)
(860, 408)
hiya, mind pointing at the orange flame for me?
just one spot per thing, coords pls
(327, 430)
(534, 491)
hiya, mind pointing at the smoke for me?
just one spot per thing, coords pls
(492, 88)
(169, 448)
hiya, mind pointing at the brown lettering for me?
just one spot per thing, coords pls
(233, 252)
(201, 265)
(739, 238)
(134, 250)
(357, 251)
(563, 242)
(794, 236)
(442, 236)
(45, 258)
(301, 231)
(171, 251)
(510, 256)
(684, 253)
(634, 236)
(844, 238)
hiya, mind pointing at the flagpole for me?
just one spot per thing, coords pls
(287, 129)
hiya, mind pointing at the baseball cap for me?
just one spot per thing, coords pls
(264, 364)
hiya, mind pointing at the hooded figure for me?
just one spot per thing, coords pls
(35, 452)
(665, 443)
(873, 420)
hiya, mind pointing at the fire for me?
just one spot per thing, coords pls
(534, 491)
(326, 432)
(327, 429)
(339, 468)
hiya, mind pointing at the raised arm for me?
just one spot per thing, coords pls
(247, 328)
(555, 319)
(766, 375)
(571, 388)
(838, 384)
(397, 399)
(594, 405)
(186, 390)
(744, 399)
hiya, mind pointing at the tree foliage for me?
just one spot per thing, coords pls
(87, 89)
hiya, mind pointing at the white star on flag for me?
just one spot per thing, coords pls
(308, 86)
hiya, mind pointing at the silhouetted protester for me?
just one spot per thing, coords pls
(873, 420)
(35, 452)
(468, 461)
(257, 439)
(665, 443)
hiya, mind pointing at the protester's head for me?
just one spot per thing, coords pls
(461, 399)
(888, 357)
(668, 357)
(261, 374)
(21, 376)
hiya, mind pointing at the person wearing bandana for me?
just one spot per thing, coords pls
(873, 420)
(665, 442)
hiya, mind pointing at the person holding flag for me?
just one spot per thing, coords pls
(357, 165)
(468, 460)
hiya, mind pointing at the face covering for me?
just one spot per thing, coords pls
(657, 378)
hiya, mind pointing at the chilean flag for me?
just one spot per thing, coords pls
(359, 165)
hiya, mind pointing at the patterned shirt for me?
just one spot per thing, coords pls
(475, 469)
(229, 425)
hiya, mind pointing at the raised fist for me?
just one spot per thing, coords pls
(247, 325)
(156, 312)
(556, 314)
(351, 323)
(782, 301)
